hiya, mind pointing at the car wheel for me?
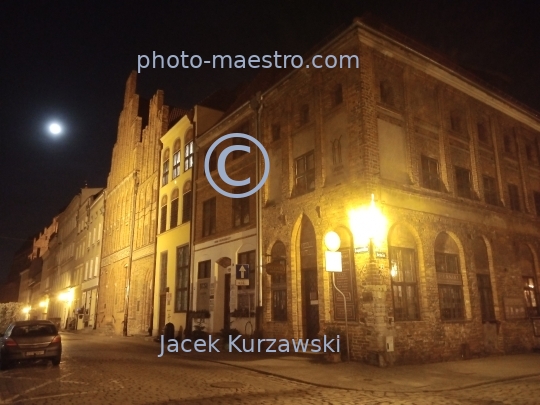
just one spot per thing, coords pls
(55, 360)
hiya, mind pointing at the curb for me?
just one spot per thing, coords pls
(495, 381)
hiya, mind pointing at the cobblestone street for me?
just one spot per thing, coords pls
(105, 370)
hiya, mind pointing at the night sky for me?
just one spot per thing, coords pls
(68, 62)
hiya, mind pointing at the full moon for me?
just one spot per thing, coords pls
(55, 129)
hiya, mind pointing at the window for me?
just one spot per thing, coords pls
(490, 190)
(531, 151)
(163, 273)
(456, 123)
(204, 270)
(276, 132)
(186, 203)
(529, 290)
(240, 208)
(174, 209)
(249, 259)
(513, 194)
(483, 134)
(338, 95)
(387, 92)
(486, 297)
(430, 173)
(449, 280)
(188, 156)
(176, 159)
(509, 143)
(212, 163)
(163, 223)
(305, 173)
(336, 151)
(304, 114)
(463, 182)
(450, 295)
(238, 153)
(209, 217)
(165, 170)
(404, 284)
(182, 278)
(537, 202)
(451, 300)
(279, 283)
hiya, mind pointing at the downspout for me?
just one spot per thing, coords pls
(257, 105)
(100, 257)
(191, 116)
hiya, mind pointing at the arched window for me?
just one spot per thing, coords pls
(528, 273)
(404, 273)
(481, 266)
(176, 159)
(163, 223)
(174, 208)
(186, 202)
(449, 278)
(188, 150)
(277, 269)
(165, 168)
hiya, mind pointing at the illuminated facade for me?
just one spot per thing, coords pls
(454, 168)
(129, 230)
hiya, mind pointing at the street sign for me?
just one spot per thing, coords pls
(361, 249)
(380, 255)
(242, 274)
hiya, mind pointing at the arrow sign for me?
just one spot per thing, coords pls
(242, 274)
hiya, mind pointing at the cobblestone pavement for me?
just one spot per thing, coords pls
(104, 370)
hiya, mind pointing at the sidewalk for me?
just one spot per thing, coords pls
(413, 378)
(453, 375)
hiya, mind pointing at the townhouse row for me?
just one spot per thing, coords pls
(450, 165)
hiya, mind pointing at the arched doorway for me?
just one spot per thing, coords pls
(310, 288)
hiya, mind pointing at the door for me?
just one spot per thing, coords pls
(311, 302)
(162, 303)
(310, 288)
(227, 303)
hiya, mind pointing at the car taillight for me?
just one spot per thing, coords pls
(10, 342)
(57, 339)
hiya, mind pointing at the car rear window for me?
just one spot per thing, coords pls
(33, 330)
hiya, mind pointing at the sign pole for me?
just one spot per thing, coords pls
(346, 323)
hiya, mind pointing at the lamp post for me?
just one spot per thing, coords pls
(333, 265)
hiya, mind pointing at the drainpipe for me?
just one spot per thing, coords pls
(191, 116)
(100, 257)
(257, 105)
(130, 257)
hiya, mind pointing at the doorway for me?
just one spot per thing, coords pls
(310, 285)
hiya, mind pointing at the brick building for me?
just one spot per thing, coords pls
(129, 231)
(454, 167)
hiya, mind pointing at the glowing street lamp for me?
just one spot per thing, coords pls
(333, 265)
(368, 226)
(26, 310)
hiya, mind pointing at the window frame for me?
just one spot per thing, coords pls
(531, 296)
(204, 267)
(209, 217)
(182, 273)
(409, 302)
(463, 190)
(188, 156)
(307, 177)
(514, 202)
(187, 206)
(487, 306)
(165, 173)
(453, 259)
(176, 164)
(241, 206)
(431, 181)
(491, 194)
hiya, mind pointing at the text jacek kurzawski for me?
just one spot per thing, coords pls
(240, 345)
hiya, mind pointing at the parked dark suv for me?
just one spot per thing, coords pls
(30, 340)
